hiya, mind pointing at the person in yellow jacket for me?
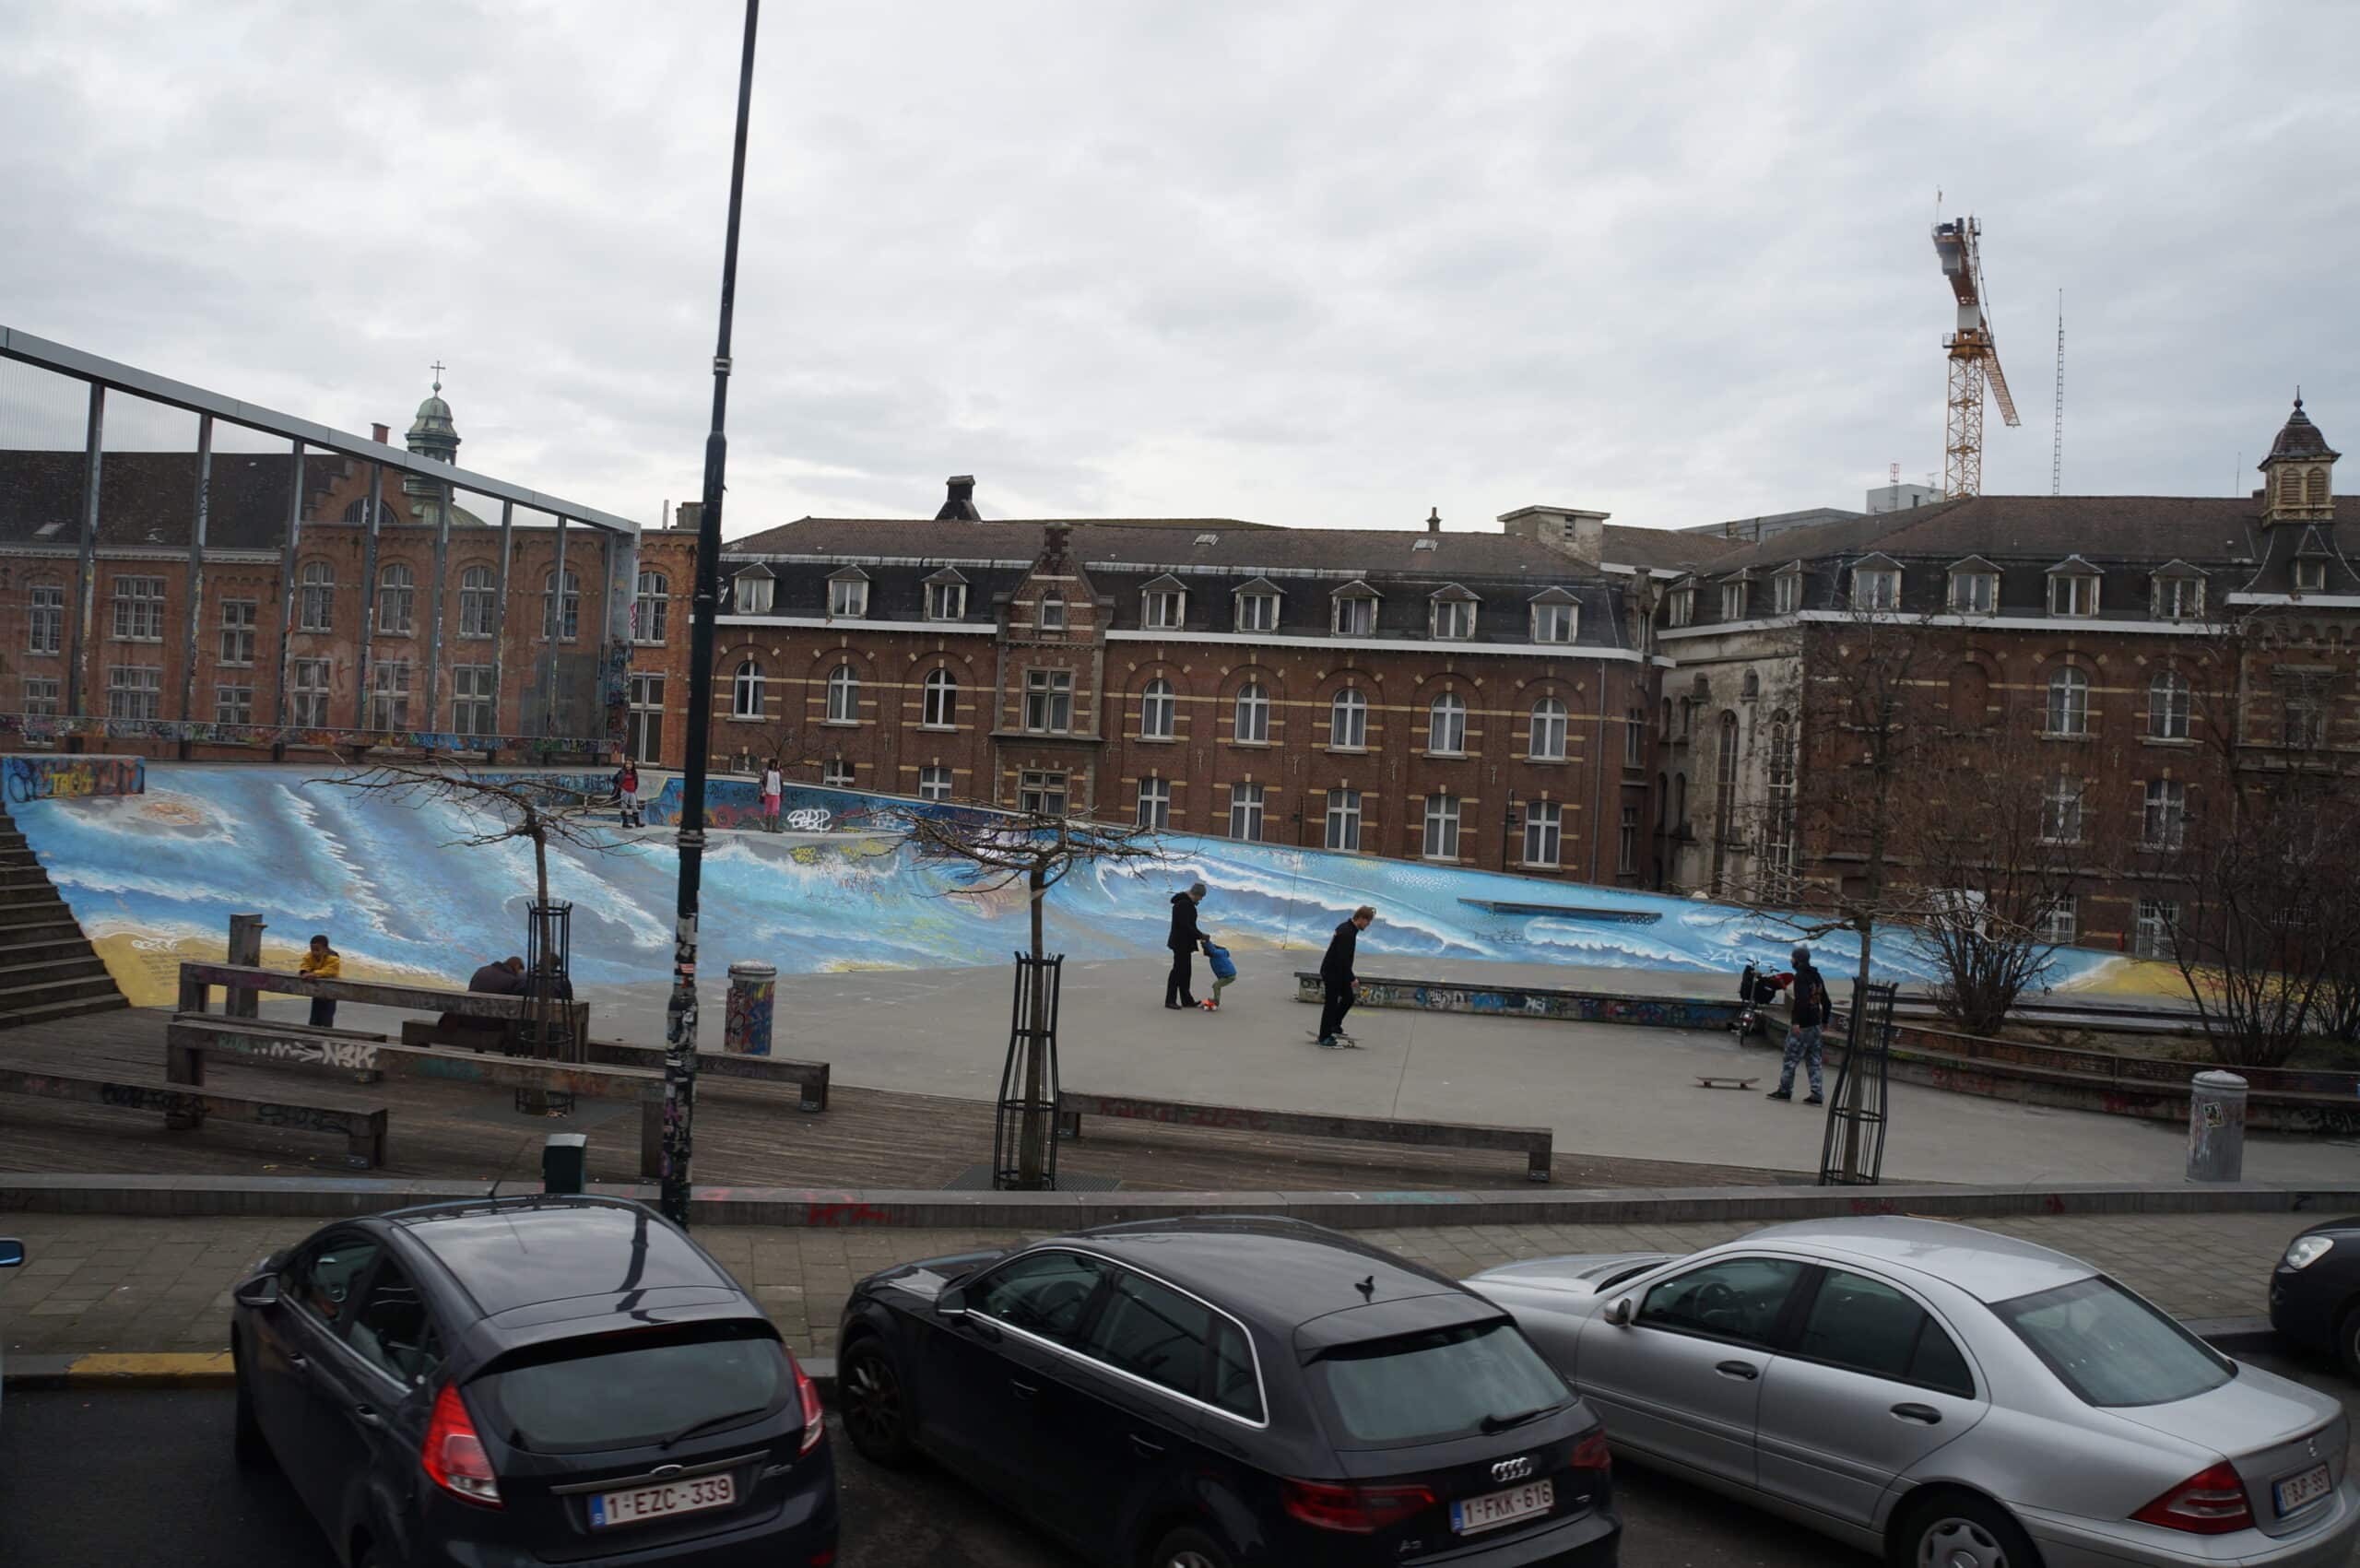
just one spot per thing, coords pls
(322, 962)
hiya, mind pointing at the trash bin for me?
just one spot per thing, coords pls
(746, 1029)
(2217, 1128)
(565, 1158)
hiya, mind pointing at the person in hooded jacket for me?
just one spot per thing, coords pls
(1179, 987)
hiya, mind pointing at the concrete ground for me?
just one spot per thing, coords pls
(94, 1284)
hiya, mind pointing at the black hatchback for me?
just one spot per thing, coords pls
(527, 1382)
(1231, 1394)
(2315, 1291)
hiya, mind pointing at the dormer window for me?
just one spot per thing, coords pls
(1353, 611)
(848, 596)
(1554, 617)
(2180, 598)
(1787, 592)
(1733, 601)
(1258, 605)
(1051, 616)
(2072, 588)
(1681, 607)
(1876, 588)
(751, 590)
(2310, 576)
(1163, 608)
(1975, 588)
(945, 596)
(1451, 614)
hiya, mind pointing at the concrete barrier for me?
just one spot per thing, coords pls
(1533, 1001)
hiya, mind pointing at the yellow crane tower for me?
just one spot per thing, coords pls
(1974, 360)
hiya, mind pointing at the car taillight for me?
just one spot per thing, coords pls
(1361, 1510)
(2213, 1503)
(1590, 1454)
(453, 1455)
(814, 1421)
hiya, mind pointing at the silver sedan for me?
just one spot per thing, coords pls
(1946, 1397)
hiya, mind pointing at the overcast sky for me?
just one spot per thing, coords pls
(1324, 265)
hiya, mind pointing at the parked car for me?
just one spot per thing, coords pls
(2315, 1291)
(1231, 1393)
(566, 1379)
(12, 1252)
(1946, 1396)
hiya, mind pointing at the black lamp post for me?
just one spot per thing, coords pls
(681, 1016)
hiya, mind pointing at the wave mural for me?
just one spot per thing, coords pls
(155, 878)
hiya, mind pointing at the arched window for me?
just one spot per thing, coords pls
(2315, 488)
(2167, 706)
(1447, 726)
(563, 609)
(1441, 826)
(745, 691)
(1548, 730)
(318, 612)
(2069, 703)
(1778, 837)
(1750, 688)
(1348, 720)
(1253, 713)
(652, 608)
(476, 602)
(844, 695)
(941, 711)
(397, 589)
(1157, 709)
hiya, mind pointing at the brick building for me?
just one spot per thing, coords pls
(242, 603)
(2099, 625)
(1480, 699)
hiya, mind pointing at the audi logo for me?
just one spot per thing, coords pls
(1512, 1469)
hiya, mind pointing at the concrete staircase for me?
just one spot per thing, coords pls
(48, 969)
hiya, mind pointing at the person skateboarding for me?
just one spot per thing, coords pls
(1337, 980)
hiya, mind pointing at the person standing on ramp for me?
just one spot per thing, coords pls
(1336, 978)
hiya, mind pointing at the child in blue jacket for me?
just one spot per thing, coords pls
(1224, 973)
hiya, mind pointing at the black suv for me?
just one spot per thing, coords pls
(1231, 1394)
(530, 1380)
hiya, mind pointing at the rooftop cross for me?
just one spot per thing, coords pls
(437, 369)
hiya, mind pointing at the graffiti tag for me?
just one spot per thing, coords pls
(68, 778)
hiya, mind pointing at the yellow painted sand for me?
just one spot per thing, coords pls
(148, 967)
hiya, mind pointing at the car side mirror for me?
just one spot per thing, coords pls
(259, 1292)
(12, 1252)
(1619, 1312)
(952, 1302)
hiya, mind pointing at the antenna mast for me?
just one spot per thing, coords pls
(2056, 410)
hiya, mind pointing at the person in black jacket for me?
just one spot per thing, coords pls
(1808, 1014)
(1186, 939)
(1336, 976)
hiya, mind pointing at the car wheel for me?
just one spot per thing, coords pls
(2347, 1341)
(1954, 1530)
(1188, 1548)
(250, 1448)
(877, 1411)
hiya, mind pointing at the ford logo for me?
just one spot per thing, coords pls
(1512, 1469)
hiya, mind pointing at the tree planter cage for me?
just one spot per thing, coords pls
(1852, 1152)
(547, 1030)
(1027, 1112)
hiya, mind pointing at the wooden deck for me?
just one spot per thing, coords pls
(745, 1133)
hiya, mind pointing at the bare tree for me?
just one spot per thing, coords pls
(990, 854)
(796, 745)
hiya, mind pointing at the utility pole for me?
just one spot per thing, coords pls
(681, 1016)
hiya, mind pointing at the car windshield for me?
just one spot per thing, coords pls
(1425, 1387)
(622, 1391)
(2110, 1348)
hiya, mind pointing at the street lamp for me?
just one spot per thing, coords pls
(681, 1016)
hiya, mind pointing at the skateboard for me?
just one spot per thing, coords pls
(1350, 1043)
(1726, 1083)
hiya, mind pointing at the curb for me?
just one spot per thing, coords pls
(810, 1208)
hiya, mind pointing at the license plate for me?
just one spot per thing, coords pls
(1496, 1508)
(2295, 1491)
(641, 1503)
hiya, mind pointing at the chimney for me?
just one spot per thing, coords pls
(688, 515)
(1434, 520)
(381, 434)
(1566, 529)
(959, 505)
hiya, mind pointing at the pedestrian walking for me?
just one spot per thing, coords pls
(1808, 1015)
(1336, 977)
(772, 786)
(1179, 988)
(1223, 970)
(627, 792)
(322, 963)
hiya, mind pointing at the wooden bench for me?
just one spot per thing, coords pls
(503, 1014)
(188, 1039)
(809, 1079)
(361, 1124)
(1533, 1143)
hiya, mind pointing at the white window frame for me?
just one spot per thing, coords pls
(939, 701)
(1049, 612)
(1876, 588)
(2180, 598)
(45, 630)
(1348, 720)
(750, 594)
(934, 783)
(1626, 849)
(2152, 927)
(1163, 609)
(2068, 592)
(562, 604)
(2063, 804)
(1439, 840)
(1451, 621)
(1044, 792)
(1544, 834)
(837, 772)
(479, 598)
(139, 609)
(1555, 623)
(389, 695)
(844, 695)
(1250, 724)
(645, 710)
(2310, 576)
(472, 705)
(1154, 804)
(1975, 593)
(1353, 615)
(2164, 818)
(1733, 601)
(2068, 711)
(2168, 706)
(747, 690)
(134, 691)
(2058, 923)
(651, 609)
(1546, 740)
(310, 684)
(1248, 806)
(1159, 711)
(848, 598)
(239, 619)
(1785, 592)
(946, 601)
(1257, 612)
(1446, 719)
(1345, 811)
(41, 696)
(1681, 608)
(233, 702)
(1048, 702)
(315, 602)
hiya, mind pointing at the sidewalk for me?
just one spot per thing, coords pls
(92, 1285)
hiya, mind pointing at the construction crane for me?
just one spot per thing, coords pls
(1974, 360)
